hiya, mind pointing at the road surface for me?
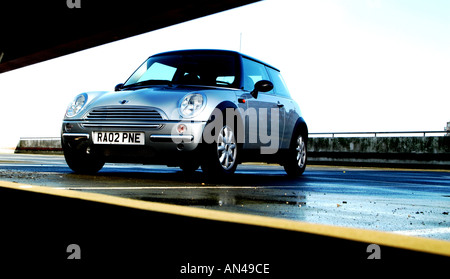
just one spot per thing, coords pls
(409, 202)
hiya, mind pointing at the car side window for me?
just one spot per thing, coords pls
(253, 72)
(278, 83)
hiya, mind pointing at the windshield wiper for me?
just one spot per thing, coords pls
(150, 82)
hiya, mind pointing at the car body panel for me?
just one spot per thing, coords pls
(154, 110)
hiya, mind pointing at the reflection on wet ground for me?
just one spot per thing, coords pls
(408, 202)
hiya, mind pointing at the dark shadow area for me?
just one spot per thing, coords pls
(37, 31)
(159, 243)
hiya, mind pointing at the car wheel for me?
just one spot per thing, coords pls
(81, 160)
(221, 156)
(295, 159)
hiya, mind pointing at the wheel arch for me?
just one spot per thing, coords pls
(300, 127)
(238, 120)
(209, 162)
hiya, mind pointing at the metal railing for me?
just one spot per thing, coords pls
(374, 134)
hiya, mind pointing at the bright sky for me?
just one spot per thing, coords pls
(353, 65)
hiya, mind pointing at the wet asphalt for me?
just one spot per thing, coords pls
(409, 202)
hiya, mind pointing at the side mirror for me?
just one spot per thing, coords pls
(118, 87)
(262, 86)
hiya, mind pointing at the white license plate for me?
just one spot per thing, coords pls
(132, 138)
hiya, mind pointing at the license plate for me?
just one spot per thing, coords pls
(131, 138)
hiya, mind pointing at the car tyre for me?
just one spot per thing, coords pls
(295, 159)
(81, 160)
(221, 157)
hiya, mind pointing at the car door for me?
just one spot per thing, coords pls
(288, 113)
(263, 125)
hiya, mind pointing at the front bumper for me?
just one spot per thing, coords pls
(161, 140)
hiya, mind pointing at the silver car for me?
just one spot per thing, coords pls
(189, 108)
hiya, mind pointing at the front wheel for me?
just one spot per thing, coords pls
(295, 159)
(220, 158)
(81, 160)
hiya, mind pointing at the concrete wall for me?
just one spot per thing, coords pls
(412, 152)
(39, 146)
(426, 152)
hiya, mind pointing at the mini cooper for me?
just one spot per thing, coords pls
(190, 108)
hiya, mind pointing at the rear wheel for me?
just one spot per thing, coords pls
(295, 159)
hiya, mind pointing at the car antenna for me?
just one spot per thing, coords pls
(240, 42)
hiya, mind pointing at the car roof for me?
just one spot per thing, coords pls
(214, 51)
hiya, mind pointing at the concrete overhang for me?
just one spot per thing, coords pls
(35, 31)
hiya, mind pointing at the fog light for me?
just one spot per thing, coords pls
(181, 128)
(68, 127)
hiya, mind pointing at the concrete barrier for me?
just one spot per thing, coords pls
(411, 152)
(41, 145)
(416, 152)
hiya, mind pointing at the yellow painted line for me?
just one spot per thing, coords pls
(419, 244)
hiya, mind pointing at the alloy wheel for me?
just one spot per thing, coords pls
(301, 152)
(226, 148)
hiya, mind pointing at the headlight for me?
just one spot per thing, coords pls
(191, 105)
(76, 105)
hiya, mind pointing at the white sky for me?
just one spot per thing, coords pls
(352, 65)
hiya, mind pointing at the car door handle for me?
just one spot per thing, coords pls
(280, 105)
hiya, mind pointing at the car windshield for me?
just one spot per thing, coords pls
(187, 69)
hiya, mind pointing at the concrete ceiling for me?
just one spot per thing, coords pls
(37, 30)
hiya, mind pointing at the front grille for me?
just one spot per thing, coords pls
(124, 117)
(124, 113)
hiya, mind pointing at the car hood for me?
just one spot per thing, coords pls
(164, 98)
